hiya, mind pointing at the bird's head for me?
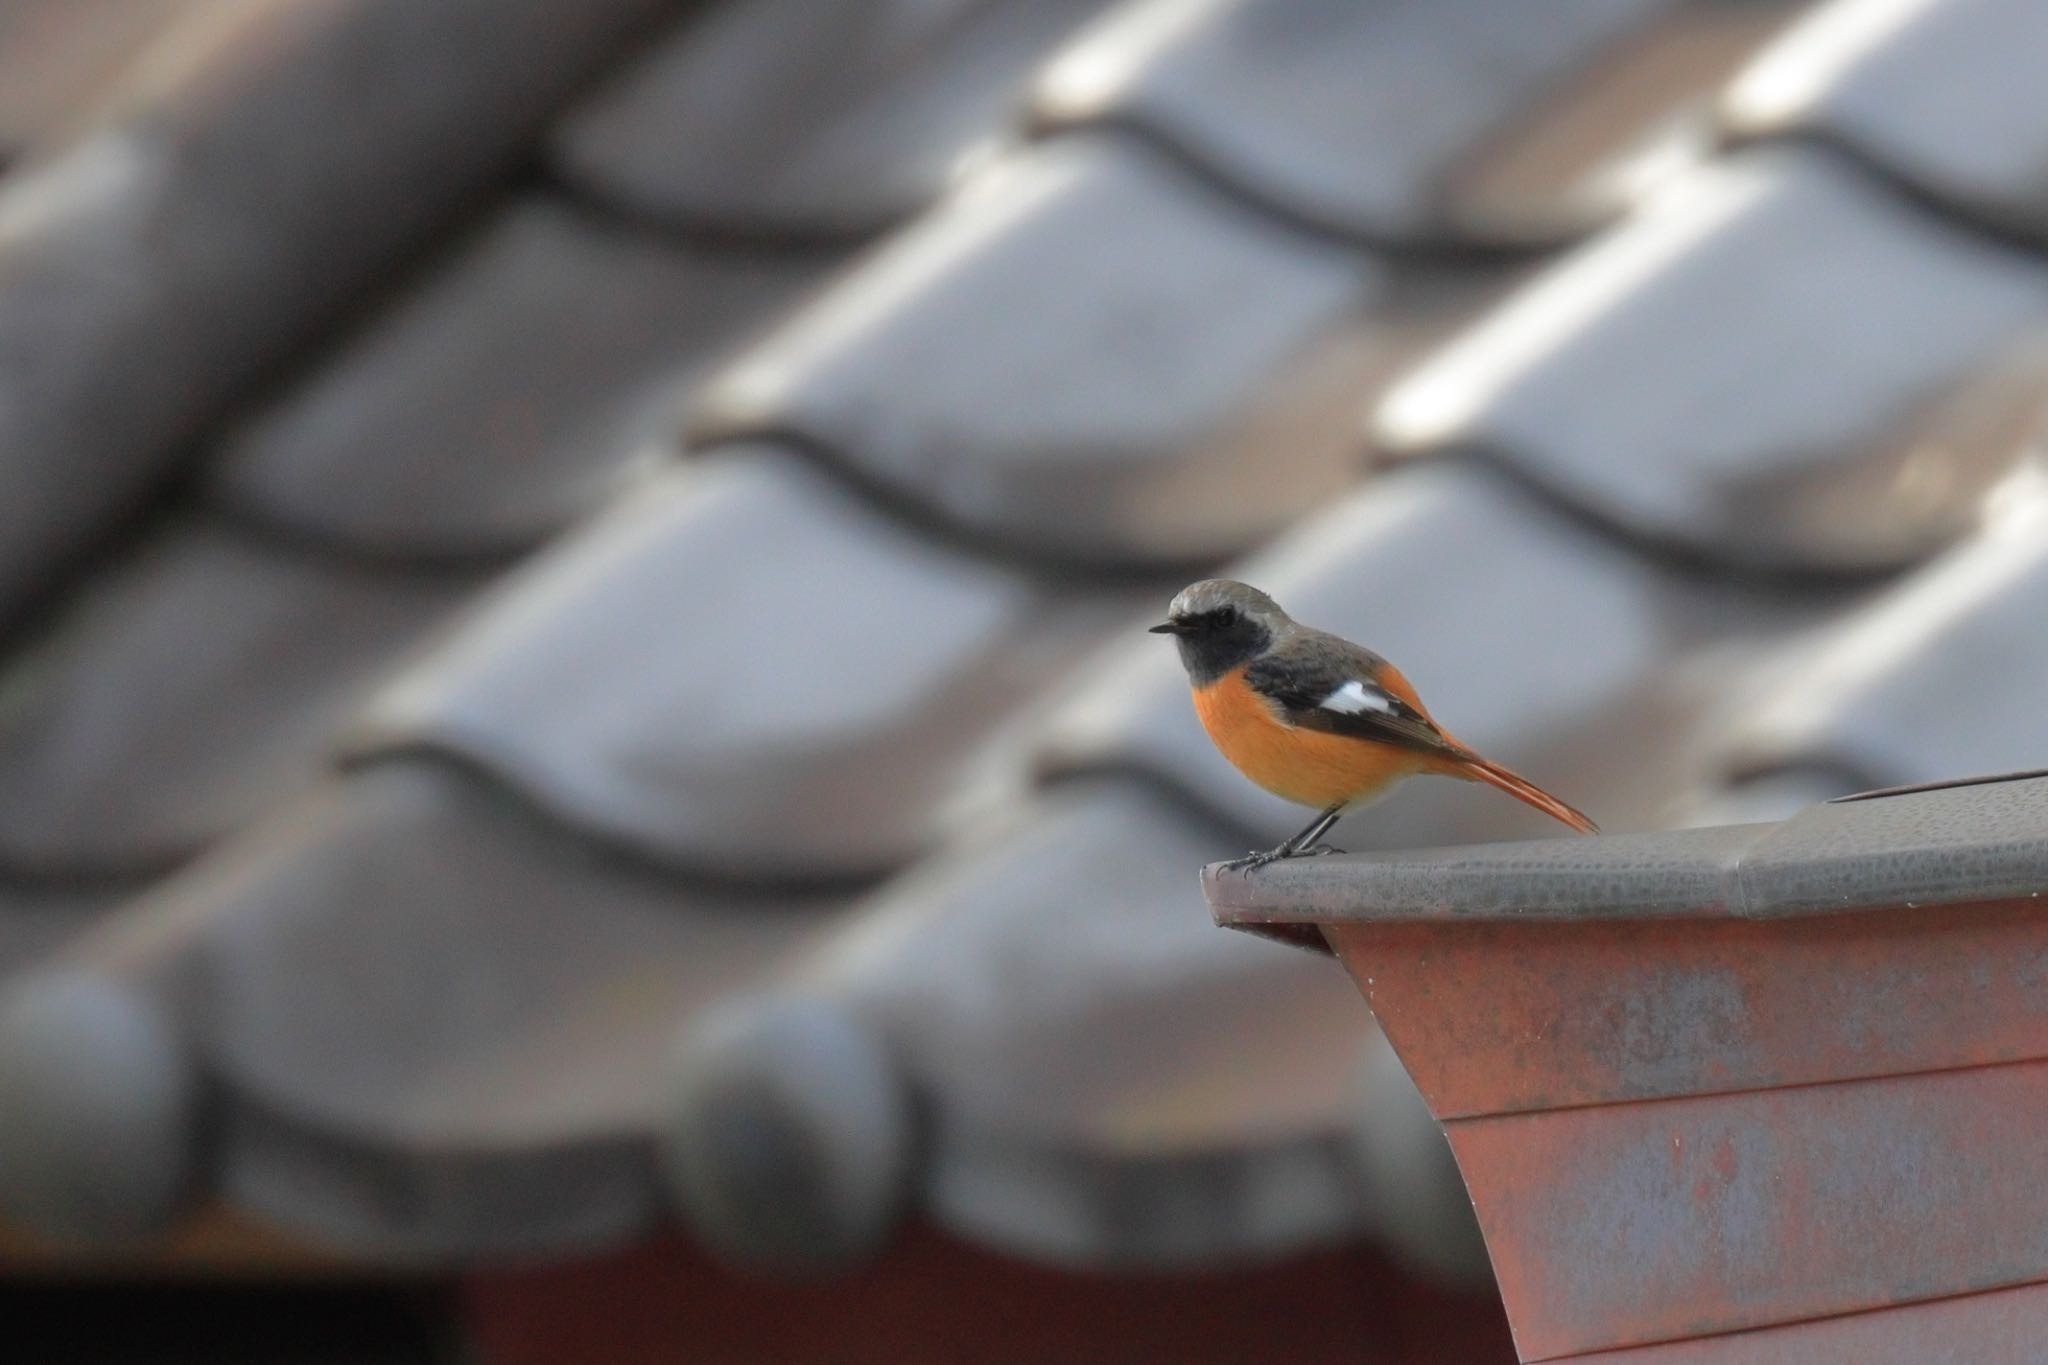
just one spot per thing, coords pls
(1220, 624)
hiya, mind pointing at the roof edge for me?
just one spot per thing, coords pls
(1957, 842)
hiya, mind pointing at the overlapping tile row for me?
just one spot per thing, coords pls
(1930, 679)
(1277, 99)
(1104, 416)
(1778, 362)
(828, 645)
(230, 202)
(340, 1006)
(346, 520)
(673, 680)
(807, 122)
(541, 367)
(1939, 94)
(175, 668)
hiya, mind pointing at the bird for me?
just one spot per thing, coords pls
(1314, 718)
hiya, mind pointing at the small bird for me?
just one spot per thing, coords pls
(1313, 718)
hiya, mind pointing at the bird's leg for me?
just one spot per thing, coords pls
(1302, 845)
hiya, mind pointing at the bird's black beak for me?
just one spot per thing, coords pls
(1163, 628)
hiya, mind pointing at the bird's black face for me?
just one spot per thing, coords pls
(1215, 641)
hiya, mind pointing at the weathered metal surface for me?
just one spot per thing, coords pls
(1977, 841)
(1738, 1095)
(1616, 1226)
(2004, 1327)
(1502, 1017)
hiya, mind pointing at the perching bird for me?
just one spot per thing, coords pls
(1314, 718)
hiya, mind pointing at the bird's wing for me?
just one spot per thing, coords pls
(1321, 682)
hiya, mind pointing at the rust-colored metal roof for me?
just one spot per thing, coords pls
(1715, 1085)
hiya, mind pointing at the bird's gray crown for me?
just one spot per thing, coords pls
(1215, 594)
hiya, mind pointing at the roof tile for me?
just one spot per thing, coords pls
(1942, 93)
(802, 118)
(1767, 364)
(242, 192)
(1936, 677)
(1642, 111)
(990, 966)
(1388, 567)
(742, 669)
(441, 968)
(58, 57)
(203, 673)
(1134, 337)
(510, 394)
(1349, 115)
(992, 974)
(433, 1023)
(1155, 1212)
(37, 920)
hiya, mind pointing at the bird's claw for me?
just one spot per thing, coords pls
(1252, 862)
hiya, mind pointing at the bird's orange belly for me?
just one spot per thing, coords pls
(1312, 767)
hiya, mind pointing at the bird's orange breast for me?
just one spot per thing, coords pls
(1312, 767)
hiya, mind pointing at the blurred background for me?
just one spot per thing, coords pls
(580, 778)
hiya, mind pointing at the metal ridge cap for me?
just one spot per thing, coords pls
(1979, 840)
(1597, 877)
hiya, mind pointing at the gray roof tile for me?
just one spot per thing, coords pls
(1084, 354)
(202, 673)
(244, 196)
(103, 1108)
(992, 965)
(1766, 364)
(38, 919)
(743, 669)
(1056, 1005)
(1156, 1211)
(57, 57)
(511, 393)
(1347, 114)
(433, 1023)
(790, 1141)
(811, 117)
(1641, 112)
(1937, 677)
(1583, 625)
(1945, 94)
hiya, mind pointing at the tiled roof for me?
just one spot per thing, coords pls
(1101, 416)
(1937, 93)
(1748, 367)
(641, 714)
(531, 375)
(809, 120)
(224, 209)
(1357, 118)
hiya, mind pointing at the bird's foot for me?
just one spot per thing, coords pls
(1252, 862)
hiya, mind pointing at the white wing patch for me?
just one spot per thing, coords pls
(1355, 697)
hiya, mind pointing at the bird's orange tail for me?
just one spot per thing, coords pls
(1471, 765)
